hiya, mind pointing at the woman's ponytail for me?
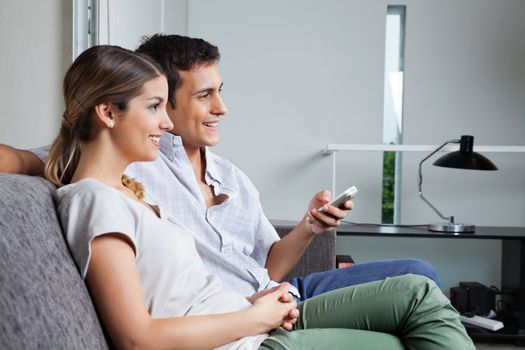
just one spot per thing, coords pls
(64, 155)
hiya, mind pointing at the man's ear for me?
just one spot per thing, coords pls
(105, 113)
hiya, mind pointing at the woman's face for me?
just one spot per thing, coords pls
(137, 132)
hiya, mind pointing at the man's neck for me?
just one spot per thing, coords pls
(197, 160)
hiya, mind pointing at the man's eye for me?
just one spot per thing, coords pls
(205, 95)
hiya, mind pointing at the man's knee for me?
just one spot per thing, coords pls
(422, 268)
(419, 265)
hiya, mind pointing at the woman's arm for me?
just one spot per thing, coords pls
(116, 290)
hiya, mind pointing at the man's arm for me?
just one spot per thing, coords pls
(286, 253)
(19, 161)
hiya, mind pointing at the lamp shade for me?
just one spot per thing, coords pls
(465, 158)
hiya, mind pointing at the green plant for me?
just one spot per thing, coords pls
(387, 203)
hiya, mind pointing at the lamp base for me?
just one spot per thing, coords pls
(452, 227)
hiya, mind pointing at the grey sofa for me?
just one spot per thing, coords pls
(44, 303)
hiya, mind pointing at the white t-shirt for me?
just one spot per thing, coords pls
(173, 277)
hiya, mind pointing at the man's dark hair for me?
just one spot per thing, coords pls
(176, 53)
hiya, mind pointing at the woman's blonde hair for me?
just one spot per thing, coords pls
(100, 74)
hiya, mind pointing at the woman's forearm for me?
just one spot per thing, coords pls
(198, 332)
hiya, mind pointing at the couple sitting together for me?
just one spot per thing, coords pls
(186, 258)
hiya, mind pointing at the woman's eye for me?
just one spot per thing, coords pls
(154, 107)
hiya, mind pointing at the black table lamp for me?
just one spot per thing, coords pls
(465, 158)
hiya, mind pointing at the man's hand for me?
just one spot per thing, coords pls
(328, 219)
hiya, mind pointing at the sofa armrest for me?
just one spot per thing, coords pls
(320, 255)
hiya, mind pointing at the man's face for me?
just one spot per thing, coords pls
(199, 107)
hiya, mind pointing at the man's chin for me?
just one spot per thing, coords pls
(212, 143)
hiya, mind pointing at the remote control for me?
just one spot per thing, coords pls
(482, 322)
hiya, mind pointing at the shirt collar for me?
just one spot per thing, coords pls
(171, 146)
(212, 173)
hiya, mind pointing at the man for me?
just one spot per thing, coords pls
(213, 199)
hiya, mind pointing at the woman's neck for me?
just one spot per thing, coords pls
(100, 163)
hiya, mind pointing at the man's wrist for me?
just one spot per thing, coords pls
(308, 224)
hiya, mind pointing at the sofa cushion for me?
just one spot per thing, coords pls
(44, 303)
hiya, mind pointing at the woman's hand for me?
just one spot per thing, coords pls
(275, 307)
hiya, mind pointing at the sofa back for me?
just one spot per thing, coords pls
(318, 257)
(44, 304)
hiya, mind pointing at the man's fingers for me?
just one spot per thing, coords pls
(319, 199)
(323, 196)
(348, 205)
(338, 213)
(325, 218)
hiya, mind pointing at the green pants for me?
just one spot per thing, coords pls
(405, 312)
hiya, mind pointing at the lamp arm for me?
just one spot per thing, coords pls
(420, 180)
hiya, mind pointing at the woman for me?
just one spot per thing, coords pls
(147, 281)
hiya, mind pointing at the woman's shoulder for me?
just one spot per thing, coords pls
(88, 191)
(87, 185)
(90, 205)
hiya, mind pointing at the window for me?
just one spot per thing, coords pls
(393, 111)
(85, 25)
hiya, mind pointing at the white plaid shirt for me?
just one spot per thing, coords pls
(234, 237)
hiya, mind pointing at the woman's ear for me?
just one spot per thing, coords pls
(106, 114)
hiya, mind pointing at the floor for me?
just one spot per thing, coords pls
(495, 346)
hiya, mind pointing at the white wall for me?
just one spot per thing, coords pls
(176, 17)
(126, 22)
(298, 77)
(35, 51)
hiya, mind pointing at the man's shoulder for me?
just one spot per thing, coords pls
(224, 166)
(229, 172)
(220, 161)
